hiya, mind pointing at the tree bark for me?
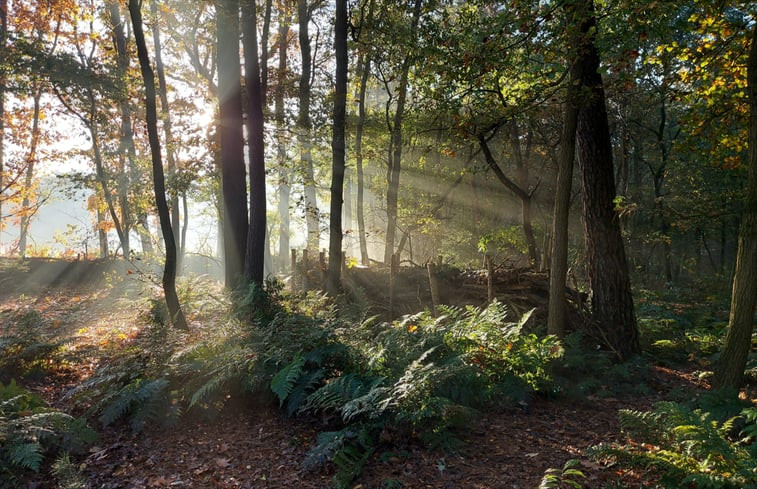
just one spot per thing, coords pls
(333, 278)
(31, 159)
(556, 318)
(281, 141)
(3, 36)
(304, 127)
(525, 204)
(126, 149)
(165, 113)
(255, 259)
(169, 268)
(395, 149)
(612, 302)
(233, 171)
(735, 352)
(365, 69)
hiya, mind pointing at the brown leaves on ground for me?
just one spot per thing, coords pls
(256, 447)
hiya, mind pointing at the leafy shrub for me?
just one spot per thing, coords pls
(30, 431)
(420, 374)
(689, 448)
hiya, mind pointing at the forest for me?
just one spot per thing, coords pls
(378, 244)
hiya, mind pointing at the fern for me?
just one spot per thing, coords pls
(348, 449)
(693, 448)
(141, 397)
(27, 455)
(284, 381)
(565, 477)
(29, 430)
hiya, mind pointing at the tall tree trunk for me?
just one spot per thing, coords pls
(365, 70)
(169, 268)
(395, 153)
(281, 141)
(100, 170)
(525, 204)
(233, 173)
(264, 54)
(738, 341)
(255, 259)
(612, 303)
(3, 36)
(126, 149)
(31, 159)
(165, 115)
(558, 269)
(304, 127)
(333, 280)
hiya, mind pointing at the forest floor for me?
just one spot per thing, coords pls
(252, 445)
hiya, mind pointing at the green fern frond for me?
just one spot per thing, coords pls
(305, 384)
(284, 381)
(339, 391)
(132, 396)
(27, 455)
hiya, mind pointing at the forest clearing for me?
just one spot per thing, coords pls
(371, 244)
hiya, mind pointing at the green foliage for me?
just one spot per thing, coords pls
(348, 449)
(562, 478)
(67, 474)
(421, 374)
(28, 347)
(144, 400)
(689, 447)
(30, 431)
(585, 370)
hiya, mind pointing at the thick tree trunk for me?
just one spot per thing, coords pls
(165, 113)
(738, 341)
(556, 318)
(395, 151)
(233, 173)
(333, 281)
(304, 126)
(255, 260)
(612, 303)
(169, 268)
(365, 70)
(31, 159)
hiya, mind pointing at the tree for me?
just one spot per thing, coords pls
(165, 113)
(304, 127)
(558, 267)
(394, 162)
(3, 36)
(611, 300)
(169, 267)
(738, 341)
(284, 188)
(255, 256)
(233, 172)
(338, 148)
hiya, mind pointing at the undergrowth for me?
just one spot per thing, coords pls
(681, 446)
(31, 433)
(419, 377)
